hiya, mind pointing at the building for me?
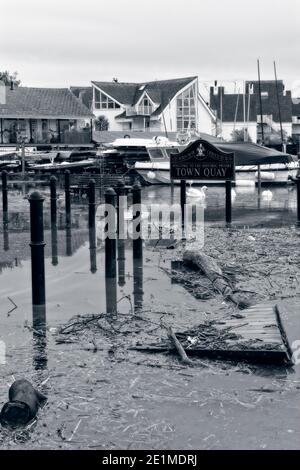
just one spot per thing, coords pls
(234, 113)
(239, 111)
(296, 121)
(43, 116)
(158, 106)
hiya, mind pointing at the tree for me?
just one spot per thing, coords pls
(238, 136)
(101, 123)
(8, 77)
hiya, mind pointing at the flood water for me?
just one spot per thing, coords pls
(114, 398)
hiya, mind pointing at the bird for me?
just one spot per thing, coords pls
(268, 195)
(197, 193)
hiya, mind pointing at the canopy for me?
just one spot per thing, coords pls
(247, 153)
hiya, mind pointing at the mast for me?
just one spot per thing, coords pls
(278, 104)
(244, 110)
(260, 104)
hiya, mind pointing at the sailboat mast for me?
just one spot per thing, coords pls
(260, 104)
(278, 104)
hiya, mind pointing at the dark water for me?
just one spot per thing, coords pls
(119, 399)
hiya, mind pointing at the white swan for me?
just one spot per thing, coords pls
(268, 195)
(198, 193)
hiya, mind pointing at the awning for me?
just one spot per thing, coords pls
(247, 153)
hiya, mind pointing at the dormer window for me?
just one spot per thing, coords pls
(145, 106)
(104, 102)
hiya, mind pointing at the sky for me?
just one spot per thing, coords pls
(61, 43)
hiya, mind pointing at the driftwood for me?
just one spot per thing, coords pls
(179, 348)
(214, 273)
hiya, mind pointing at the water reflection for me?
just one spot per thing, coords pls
(39, 332)
(93, 249)
(138, 277)
(121, 263)
(110, 275)
(69, 240)
(54, 247)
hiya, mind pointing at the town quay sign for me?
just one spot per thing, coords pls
(202, 161)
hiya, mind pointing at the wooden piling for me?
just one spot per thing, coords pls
(182, 202)
(228, 207)
(137, 221)
(110, 255)
(53, 200)
(67, 198)
(92, 226)
(37, 245)
(4, 197)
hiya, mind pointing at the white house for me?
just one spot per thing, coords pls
(164, 105)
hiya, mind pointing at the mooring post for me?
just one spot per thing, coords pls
(53, 201)
(4, 197)
(121, 262)
(137, 221)
(92, 226)
(298, 200)
(228, 201)
(37, 245)
(110, 252)
(258, 180)
(92, 203)
(67, 198)
(183, 204)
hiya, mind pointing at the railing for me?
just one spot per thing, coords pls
(143, 110)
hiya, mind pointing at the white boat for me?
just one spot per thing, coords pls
(63, 165)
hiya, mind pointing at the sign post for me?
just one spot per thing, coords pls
(202, 161)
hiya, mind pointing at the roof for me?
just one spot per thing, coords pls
(84, 93)
(159, 91)
(25, 102)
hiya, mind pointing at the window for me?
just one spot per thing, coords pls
(156, 153)
(264, 95)
(103, 102)
(145, 106)
(186, 109)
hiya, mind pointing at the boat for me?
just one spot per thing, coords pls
(275, 167)
(60, 166)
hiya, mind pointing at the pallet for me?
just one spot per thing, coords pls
(261, 338)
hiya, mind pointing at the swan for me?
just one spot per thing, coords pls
(198, 193)
(268, 195)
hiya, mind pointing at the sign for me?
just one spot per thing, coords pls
(202, 161)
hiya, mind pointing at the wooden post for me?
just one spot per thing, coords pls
(54, 251)
(137, 221)
(53, 200)
(92, 226)
(258, 180)
(120, 190)
(67, 198)
(228, 201)
(69, 250)
(37, 245)
(182, 201)
(4, 197)
(298, 200)
(110, 256)
(121, 262)
(23, 160)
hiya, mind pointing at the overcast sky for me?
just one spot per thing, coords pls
(70, 42)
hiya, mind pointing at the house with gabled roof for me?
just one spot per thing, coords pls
(43, 116)
(164, 105)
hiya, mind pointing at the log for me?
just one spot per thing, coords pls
(213, 272)
(23, 405)
(179, 348)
